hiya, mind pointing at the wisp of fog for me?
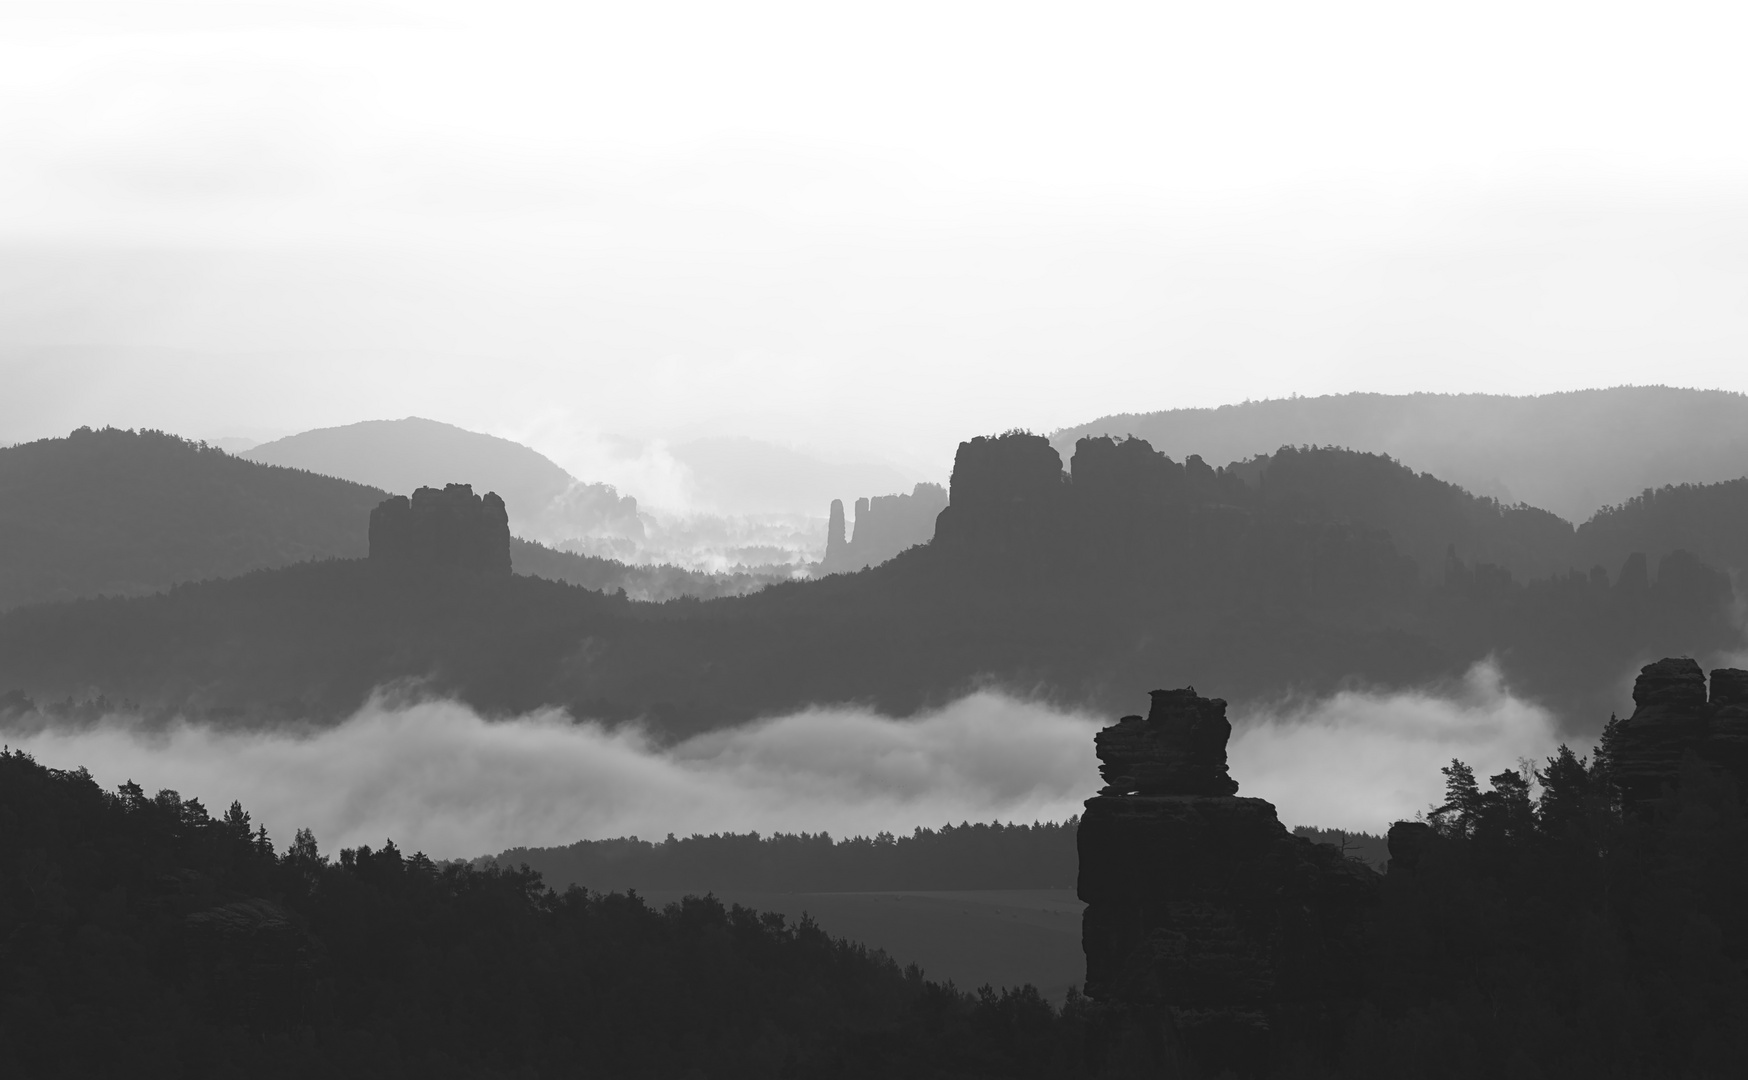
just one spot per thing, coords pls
(436, 777)
(1359, 760)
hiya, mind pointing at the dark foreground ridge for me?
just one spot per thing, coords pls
(1584, 919)
(1543, 927)
(142, 936)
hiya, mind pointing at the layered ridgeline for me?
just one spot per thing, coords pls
(1130, 567)
(1065, 584)
(126, 513)
(1570, 453)
(401, 455)
(129, 513)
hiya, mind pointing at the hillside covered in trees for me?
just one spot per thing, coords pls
(1533, 927)
(128, 513)
(131, 513)
(1128, 569)
(967, 856)
(1571, 453)
(145, 934)
(970, 855)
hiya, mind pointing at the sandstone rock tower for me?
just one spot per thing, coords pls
(452, 528)
(1673, 716)
(1202, 909)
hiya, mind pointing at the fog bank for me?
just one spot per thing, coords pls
(1360, 760)
(438, 778)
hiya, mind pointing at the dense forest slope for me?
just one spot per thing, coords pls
(145, 935)
(1545, 925)
(126, 513)
(1570, 453)
(1709, 520)
(1424, 515)
(129, 513)
(1130, 570)
(980, 856)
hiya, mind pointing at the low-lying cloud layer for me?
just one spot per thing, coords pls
(1362, 760)
(436, 777)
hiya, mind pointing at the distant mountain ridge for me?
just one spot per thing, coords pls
(130, 513)
(1126, 569)
(403, 455)
(1570, 453)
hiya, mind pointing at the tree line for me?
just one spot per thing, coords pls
(977, 855)
(966, 856)
(1531, 927)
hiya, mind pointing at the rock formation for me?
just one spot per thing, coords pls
(452, 528)
(1202, 909)
(1180, 749)
(1673, 716)
(1005, 497)
(835, 554)
(885, 525)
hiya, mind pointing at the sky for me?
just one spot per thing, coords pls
(865, 231)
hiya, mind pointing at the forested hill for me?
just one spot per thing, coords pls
(1132, 570)
(145, 935)
(402, 455)
(1424, 515)
(129, 513)
(954, 857)
(1554, 929)
(126, 513)
(1709, 520)
(1570, 453)
(980, 856)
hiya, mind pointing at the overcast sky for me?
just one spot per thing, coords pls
(868, 230)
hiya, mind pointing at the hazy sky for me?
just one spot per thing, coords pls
(866, 229)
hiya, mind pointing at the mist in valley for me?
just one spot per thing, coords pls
(435, 776)
(442, 441)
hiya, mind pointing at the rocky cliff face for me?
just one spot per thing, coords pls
(835, 543)
(452, 528)
(1005, 498)
(1674, 715)
(1201, 907)
(885, 525)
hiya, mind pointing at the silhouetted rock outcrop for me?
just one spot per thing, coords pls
(885, 526)
(451, 528)
(1005, 497)
(834, 536)
(1179, 749)
(1408, 841)
(1202, 909)
(1672, 717)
